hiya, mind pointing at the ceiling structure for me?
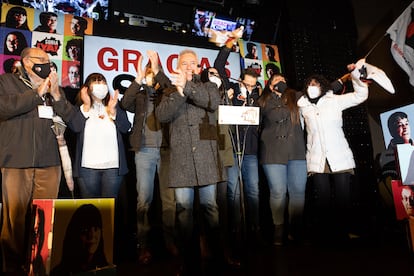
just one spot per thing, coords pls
(265, 12)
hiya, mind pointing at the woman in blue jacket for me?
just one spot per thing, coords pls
(100, 161)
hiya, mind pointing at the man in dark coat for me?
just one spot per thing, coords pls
(189, 106)
(29, 155)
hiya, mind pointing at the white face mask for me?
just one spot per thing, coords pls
(99, 90)
(313, 92)
(215, 80)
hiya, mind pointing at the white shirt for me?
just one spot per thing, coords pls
(100, 144)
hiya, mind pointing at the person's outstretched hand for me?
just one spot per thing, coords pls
(153, 57)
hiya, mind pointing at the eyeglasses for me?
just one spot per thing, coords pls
(249, 85)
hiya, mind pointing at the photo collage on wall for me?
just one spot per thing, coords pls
(264, 58)
(60, 35)
(399, 155)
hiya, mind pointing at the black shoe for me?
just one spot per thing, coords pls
(233, 262)
(144, 256)
(278, 235)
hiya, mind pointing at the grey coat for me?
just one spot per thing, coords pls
(194, 157)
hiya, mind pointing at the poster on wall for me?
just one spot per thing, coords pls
(40, 245)
(12, 43)
(264, 58)
(403, 199)
(396, 130)
(58, 34)
(82, 227)
(17, 17)
(48, 22)
(66, 232)
(405, 164)
(396, 126)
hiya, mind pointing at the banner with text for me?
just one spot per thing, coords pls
(117, 59)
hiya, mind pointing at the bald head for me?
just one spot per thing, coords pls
(31, 56)
(35, 53)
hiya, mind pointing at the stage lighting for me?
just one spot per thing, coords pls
(122, 18)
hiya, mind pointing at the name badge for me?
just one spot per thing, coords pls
(45, 112)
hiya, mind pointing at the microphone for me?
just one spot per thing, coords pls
(195, 77)
(219, 76)
(248, 97)
(230, 78)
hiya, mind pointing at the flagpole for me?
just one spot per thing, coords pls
(375, 45)
(378, 42)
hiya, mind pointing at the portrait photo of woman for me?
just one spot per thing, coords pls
(83, 244)
(16, 18)
(14, 43)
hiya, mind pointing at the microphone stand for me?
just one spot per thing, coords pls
(239, 156)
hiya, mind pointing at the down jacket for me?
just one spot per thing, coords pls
(325, 137)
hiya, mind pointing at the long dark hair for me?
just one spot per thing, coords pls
(11, 21)
(271, 53)
(288, 98)
(73, 257)
(22, 43)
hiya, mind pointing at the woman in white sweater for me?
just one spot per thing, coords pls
(329, 158)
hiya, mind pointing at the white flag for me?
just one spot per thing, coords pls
(402, 35)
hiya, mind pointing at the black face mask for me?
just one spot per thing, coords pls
(42, 70)
(280, 86)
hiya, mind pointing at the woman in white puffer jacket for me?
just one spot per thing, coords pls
(329, 158)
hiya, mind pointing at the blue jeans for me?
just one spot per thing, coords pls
(167, 196)
(208, 207)
(99, 183)
(250, 176)
(286, 180)
(147, 160)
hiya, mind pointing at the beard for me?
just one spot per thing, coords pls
(34, 79)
